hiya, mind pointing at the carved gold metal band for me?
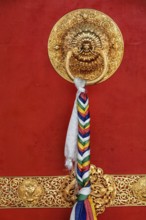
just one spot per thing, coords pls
(60, 191)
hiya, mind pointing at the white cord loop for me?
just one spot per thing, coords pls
(72, 132)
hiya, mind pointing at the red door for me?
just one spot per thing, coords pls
(36, 103)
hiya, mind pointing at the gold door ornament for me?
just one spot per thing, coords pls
(108, 190)
(86, 43)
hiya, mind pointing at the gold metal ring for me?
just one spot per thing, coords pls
(100, 77)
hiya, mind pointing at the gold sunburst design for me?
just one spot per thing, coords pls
(86, 43)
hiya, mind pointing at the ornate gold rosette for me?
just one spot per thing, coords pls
(86, 43)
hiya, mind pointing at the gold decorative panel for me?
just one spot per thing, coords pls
(60, 191)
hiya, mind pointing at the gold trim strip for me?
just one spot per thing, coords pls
(60, 191)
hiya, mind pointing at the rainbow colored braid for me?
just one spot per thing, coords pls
(84, 208)
(83, 156)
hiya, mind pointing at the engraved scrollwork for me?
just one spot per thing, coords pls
(129, 190)
(61, 191)
(69, 189)
(37, 192)
(103, 190)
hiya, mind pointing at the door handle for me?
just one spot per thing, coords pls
(99, 78)
(87, 44)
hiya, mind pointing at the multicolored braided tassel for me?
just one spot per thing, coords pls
(84, 207)
(83, 156)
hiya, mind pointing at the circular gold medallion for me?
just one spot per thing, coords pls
(86, 43)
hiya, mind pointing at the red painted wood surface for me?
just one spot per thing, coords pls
(36, 103)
